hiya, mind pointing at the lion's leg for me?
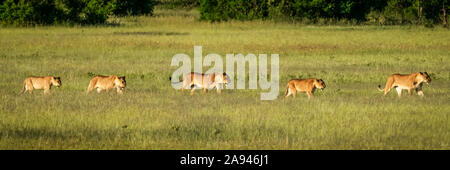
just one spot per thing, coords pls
(46, 91)
(89, 89)
(25, 88)
(288, 92)
(399, 91)
(30, 88)
(99, 90)
(218, 88)
(410, 91)
(91, 86)
(419, 90)
(119, 91)
(185, 86)
(386, 92)
(293, 91)
(192, 91)
(309, 94)
(388, 86)
(205, 90)
(187, 82)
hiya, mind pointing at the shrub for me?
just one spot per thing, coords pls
(95, 11)
(216, 10)
(133, 7)
(46, 12)
(17, 13)
(380, 11)
(178, 4)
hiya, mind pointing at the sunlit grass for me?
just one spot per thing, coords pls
(349, 114)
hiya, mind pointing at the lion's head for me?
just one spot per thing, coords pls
(221, 78)
(320, 84)
(56, 81)
(424, 76)
(120, 82)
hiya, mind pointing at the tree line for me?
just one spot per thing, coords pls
(383, 12)
(47, 12)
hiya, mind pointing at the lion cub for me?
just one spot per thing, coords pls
(46, 83)
(304, 85)
(107, 83)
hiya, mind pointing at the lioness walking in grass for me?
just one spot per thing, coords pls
(205, 81)
(307, 86)
(107, 83)
(45, 82)
(406, 81)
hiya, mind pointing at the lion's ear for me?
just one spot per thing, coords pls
(425, 73)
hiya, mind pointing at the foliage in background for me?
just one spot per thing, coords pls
(385, 12)
(133, 7)
(15, 12)
(382, 12)
(46, 12)
(177, 4)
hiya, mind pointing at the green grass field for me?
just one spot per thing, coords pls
(349, 114)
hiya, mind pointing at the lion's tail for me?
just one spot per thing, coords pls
(287, 90)
(91, 86)
(380, 89)
(170, 78)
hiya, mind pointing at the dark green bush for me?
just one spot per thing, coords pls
(95, 11)
(432, 10)
(217, 10)
(46, 12)
(382, 11)
(17, 13)
(24, 12)
(133, 7)
(177, 4)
